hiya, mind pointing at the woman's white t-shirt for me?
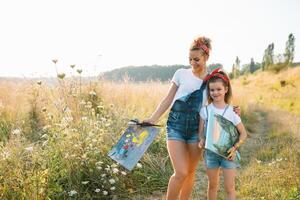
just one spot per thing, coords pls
(187, 83)
(229, 114)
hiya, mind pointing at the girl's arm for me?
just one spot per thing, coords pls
(164, 105)
(201, 134)
(243, 135)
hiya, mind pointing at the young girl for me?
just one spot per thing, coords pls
(219, 94)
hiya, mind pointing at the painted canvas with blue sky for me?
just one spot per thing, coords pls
(133, 144)
(221, 135)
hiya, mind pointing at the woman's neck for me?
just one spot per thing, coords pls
(199, 72)
(219, 104)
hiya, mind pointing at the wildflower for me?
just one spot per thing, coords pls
(84, 156)
(258, 161)
(30, 149)
(16, 132)
(105, 193)
(61, 75)
(84, 118)
(72, 193)
(89, 104)
(112, 181)
(113, 188)
(5, 155)
(103, 175)
(82, 102)
(100, 107)
(79, 71)
(114, 165)
(139, 165)
(99, 163)
(272, 163)
(123, 173)
(93, 93)
(100, 168)
(45, 143)
(279, 159)
(115, 170)
(84, 182)
(97, 190)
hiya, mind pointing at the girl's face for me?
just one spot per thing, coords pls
(217, 91)
(197, 60)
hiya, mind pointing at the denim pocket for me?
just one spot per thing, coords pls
(173, 116)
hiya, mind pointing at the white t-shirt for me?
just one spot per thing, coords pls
(229, 114)
(187, 83)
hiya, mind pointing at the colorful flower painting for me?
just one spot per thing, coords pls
(133, 144)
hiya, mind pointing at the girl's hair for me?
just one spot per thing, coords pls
(201, 43)
(226, 83)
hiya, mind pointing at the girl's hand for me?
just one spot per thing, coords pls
(231, 152)
(201, 143)
(237, 110)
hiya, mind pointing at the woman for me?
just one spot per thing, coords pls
(186, 95)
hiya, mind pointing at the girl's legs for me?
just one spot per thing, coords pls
(194, 156)
(229, 183)
(213, 183)
(179, 155)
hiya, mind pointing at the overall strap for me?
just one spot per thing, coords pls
(203, 86)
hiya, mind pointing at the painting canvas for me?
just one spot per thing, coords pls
(133, 144)
(221, 135)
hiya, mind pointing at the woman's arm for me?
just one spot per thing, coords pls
(164, 105)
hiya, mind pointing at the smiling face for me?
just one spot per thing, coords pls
(198, 60)
(217, 91)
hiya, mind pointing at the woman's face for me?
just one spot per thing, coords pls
(197, 59)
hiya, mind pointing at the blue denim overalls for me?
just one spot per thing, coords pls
(184, 114)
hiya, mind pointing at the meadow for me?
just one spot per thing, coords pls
(54, 139)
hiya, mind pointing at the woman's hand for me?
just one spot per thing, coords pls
(201, 143)
(231, 153)
(149, 120)
(237, 110)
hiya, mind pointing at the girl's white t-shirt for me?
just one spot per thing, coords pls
(187, 83)
(229, 114)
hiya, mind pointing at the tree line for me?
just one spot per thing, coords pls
(269, 62)
(164, 73)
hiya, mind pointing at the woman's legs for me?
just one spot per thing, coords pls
(178, 152)
(195, 154)
(213, 183)
(229, 183)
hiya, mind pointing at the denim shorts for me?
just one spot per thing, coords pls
(173, 134)
(213, 160)
(183, 126)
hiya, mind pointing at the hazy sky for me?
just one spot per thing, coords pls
(100, 35)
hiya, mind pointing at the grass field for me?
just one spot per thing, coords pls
(54, 139)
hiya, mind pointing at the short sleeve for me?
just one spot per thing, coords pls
(236, 119)
(175, 78)
(203, 113)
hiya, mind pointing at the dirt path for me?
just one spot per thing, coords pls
(286, 121)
